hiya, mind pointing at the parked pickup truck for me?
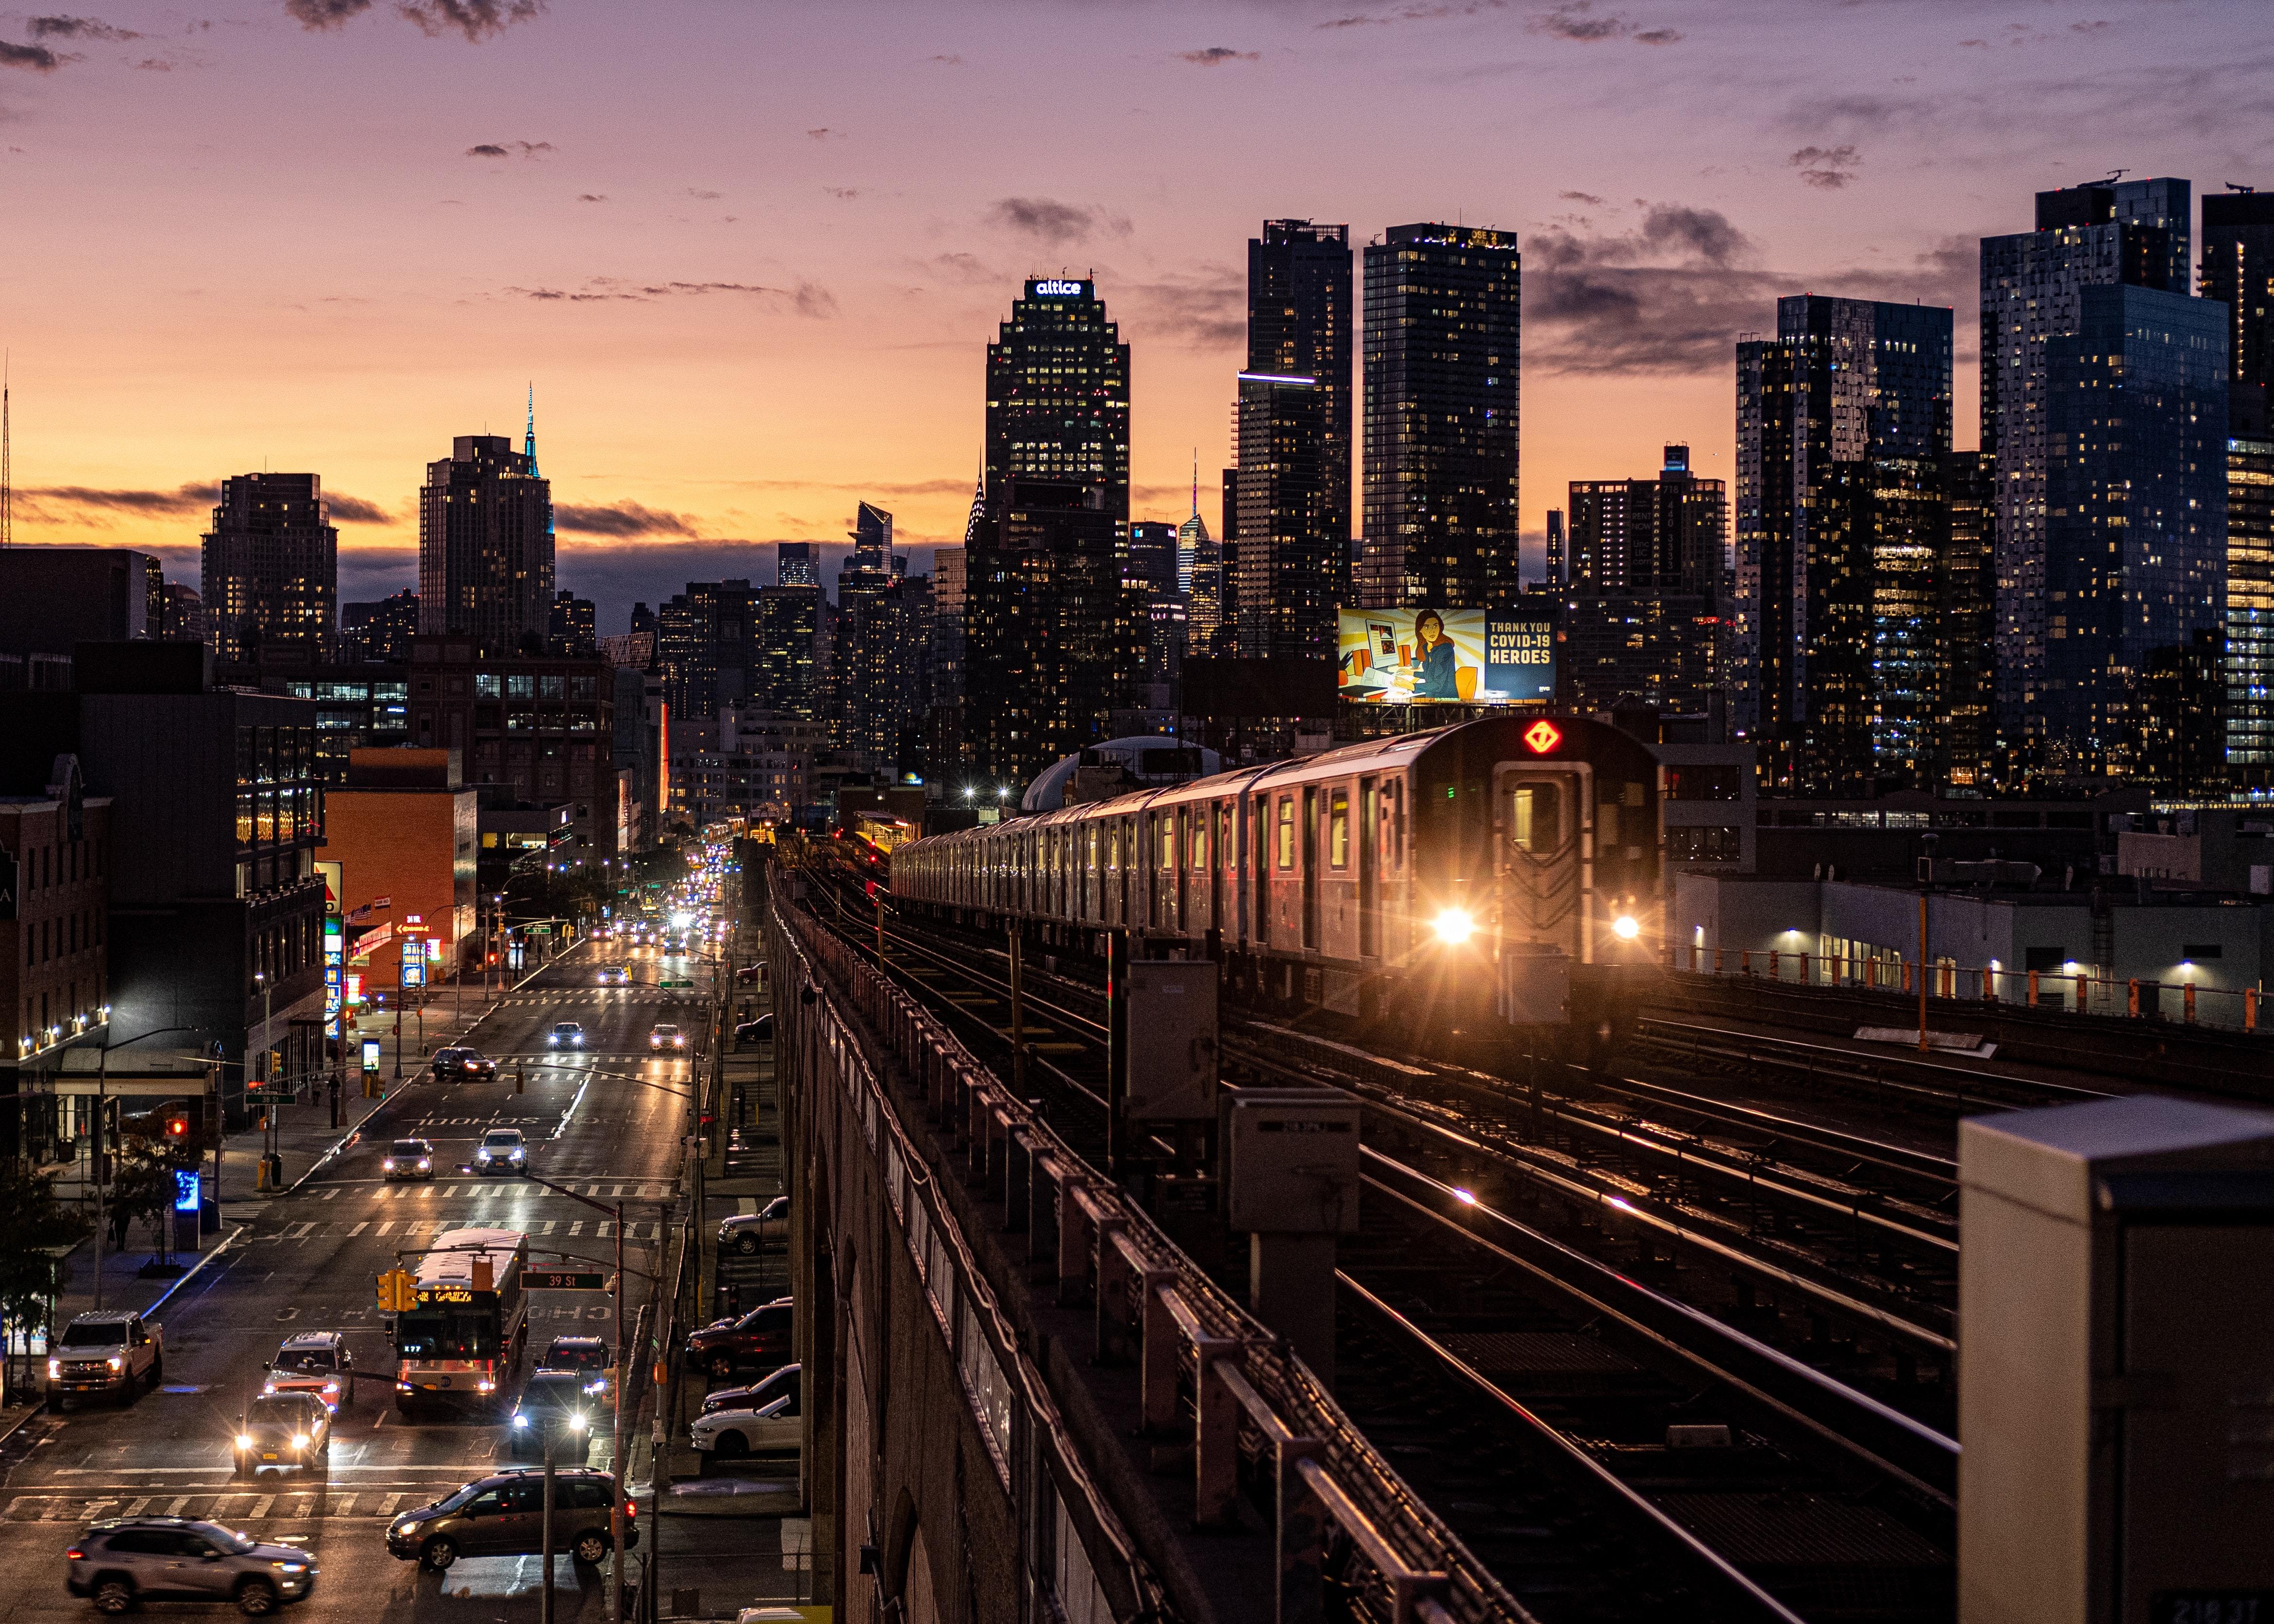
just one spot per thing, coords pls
(114, 1352)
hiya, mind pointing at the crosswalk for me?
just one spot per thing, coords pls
(232, 1509)
(593, 995)
(413, 1228)
(490, 1189)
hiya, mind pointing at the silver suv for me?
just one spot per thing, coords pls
(125, 1560)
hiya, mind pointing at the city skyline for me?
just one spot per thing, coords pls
(705, 385)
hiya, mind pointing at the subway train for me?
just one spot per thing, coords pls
(1498, 878)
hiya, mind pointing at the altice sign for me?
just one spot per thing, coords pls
(1057, 290)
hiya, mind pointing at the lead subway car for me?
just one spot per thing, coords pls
(1503, 874)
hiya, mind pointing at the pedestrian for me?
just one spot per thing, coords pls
(120, 1219)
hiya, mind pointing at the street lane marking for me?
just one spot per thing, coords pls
(387, 1506)
(359, 1228)
(384, 1228)
(174, 1509)
(346, 1506)
(134, 1508)
(260, 1507)
(576, 1228)
(329, 1194)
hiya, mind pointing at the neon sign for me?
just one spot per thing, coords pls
(1054, 289)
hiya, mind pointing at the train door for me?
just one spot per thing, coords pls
(1369, 870)
(1546, 858)
(1263, 854)
(1311, 865)
(1219, 862)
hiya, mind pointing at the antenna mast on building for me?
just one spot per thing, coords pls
(7, 468)
(1196, 482)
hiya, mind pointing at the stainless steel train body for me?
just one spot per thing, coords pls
(1485, 867)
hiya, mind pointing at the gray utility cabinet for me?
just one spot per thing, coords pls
(2116, 1364)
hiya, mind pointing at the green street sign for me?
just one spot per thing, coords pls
(667, 983)
(566, 1279)
(541, 930)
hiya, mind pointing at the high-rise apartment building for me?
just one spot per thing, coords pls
(1442, 324)
(573, 626)
(1058, 396)
(2099, 388)
(708, 644)
(1965, 614)
(1846, 385)
(1043, 648)
(2251, 612)
(880, 638)
(949, 592)
(1558, 562)
(2238, 270)
(183, 618)
(271, 566)
(1643, 597)
(796, 563)
(381, 629)
(486, 546)
(790, 669)
(1290, 565)
(1299, 325)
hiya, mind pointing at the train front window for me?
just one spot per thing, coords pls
(433, 1334)
(1536, 824)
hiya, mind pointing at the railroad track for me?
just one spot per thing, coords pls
(1609, 1448)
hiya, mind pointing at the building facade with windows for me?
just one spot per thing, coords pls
(1443, 325)
(486, 546)
(271, 566)
(1057, 396)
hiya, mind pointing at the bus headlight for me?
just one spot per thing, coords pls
(1454, 926)
(1626, 928)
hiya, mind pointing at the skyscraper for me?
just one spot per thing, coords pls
(1644, 591)
(1558, 567)
(1299, 325)
(572, 628)
(271, 566)
(1442, 320)
(1199, 575)
(795, 564)
(1285, 584)
(708, 644)
(486, 546)
(1043, 652)
(789, 670)
(2238, 270)
(1057, 396)
(1846, 384)
(2103, 407)
(879, 640)
(381, 630)
(1965, 614)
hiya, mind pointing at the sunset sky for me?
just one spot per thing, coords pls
(750, 254)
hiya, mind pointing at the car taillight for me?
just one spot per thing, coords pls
(631, 1509)
(77, 1555)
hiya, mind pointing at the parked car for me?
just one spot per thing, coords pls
(751, 972)
(663, 1034)
(590, 1357)
(758, 1339)
(503, 1514)
(742, 1397)
(111, 1352)
(459, 1063)
(282, 1432)
(315, 1362)
(758, 1031)
(565, 1035)
(745, 1232)
(502, 1150)
(408, 1159)
(768, 1424)
(554, 1404)
(120, 1561)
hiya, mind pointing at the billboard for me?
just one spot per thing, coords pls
(1431, 656)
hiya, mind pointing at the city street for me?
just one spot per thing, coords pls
(606, 1120)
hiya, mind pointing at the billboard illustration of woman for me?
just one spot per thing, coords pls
(1408, 657)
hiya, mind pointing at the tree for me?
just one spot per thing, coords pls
(143, 1188)
(35, 1229)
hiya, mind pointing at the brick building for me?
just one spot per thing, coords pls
(55, 854)
(404, 829)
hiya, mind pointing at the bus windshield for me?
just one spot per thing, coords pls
(447, 1333)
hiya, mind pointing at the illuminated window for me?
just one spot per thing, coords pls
(1338, 829)
(1286, 832)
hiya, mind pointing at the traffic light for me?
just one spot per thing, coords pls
(398, 1293)
(177, 1127)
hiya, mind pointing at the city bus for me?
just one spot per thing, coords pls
(457, 1346)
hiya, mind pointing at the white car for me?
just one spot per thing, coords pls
(745, 1232)
(504, 1150)
(663, 1034)
(769, 1425)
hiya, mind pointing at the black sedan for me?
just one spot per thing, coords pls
(464, 1065)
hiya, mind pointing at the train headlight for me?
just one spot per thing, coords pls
(1626, 928)
(1454, 926)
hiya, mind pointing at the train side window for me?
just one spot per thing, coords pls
(1338, 829)
(1200, 852)
(1168, 845)
(1397, 824)
(1286, 832)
